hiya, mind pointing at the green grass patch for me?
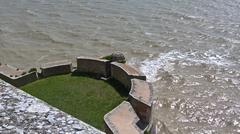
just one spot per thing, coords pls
(82, 96)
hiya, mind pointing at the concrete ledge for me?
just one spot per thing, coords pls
(55, 68)
(92, 65)
(140, 97)
(122, 120)
(124, 73)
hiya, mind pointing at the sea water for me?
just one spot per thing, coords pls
(188, 49)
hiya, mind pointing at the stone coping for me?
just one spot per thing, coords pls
(55, 64)
(90, 58)
(123, 119)
(141, 90)
(22, 113)
(128, 69)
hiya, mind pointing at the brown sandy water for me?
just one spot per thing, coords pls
(189, 50)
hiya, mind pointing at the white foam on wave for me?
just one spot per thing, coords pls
(234, 41)
(31, 12)
(166, 61)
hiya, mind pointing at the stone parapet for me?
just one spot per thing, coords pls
(56, 68)
(124, 73)
(16, 76)
(92, 65)
(140, 97)
(25, 79)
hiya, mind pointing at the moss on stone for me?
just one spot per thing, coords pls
(110, 58)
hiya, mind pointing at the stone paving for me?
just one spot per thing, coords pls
(22, 113)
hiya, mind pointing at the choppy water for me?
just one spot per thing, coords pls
(189, 50)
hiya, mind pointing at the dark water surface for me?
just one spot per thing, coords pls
(189, 50)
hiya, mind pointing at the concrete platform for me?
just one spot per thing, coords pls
(122, 120)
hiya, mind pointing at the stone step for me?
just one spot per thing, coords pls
(122, 120)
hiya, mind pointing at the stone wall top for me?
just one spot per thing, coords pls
(23, 113)
(123, 120)
(90, 58)
(129, 70)
(142, 91)
(56, 63)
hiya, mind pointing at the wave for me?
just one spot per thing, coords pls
(167, 61)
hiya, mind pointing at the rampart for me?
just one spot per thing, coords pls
(129, 117)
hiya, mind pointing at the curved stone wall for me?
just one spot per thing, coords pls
(140, 97)
(124, 73)
(92, 65)
(136, 113)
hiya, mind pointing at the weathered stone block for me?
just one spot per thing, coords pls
(92, 65)
(25, 79)
(16, 76)
(124, 73)
(55, 68)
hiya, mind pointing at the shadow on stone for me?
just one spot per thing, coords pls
(119, 87)
(89, 75)
(142, 125)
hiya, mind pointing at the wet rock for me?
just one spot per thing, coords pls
(118, 57)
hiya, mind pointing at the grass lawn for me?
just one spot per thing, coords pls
(82, 96)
